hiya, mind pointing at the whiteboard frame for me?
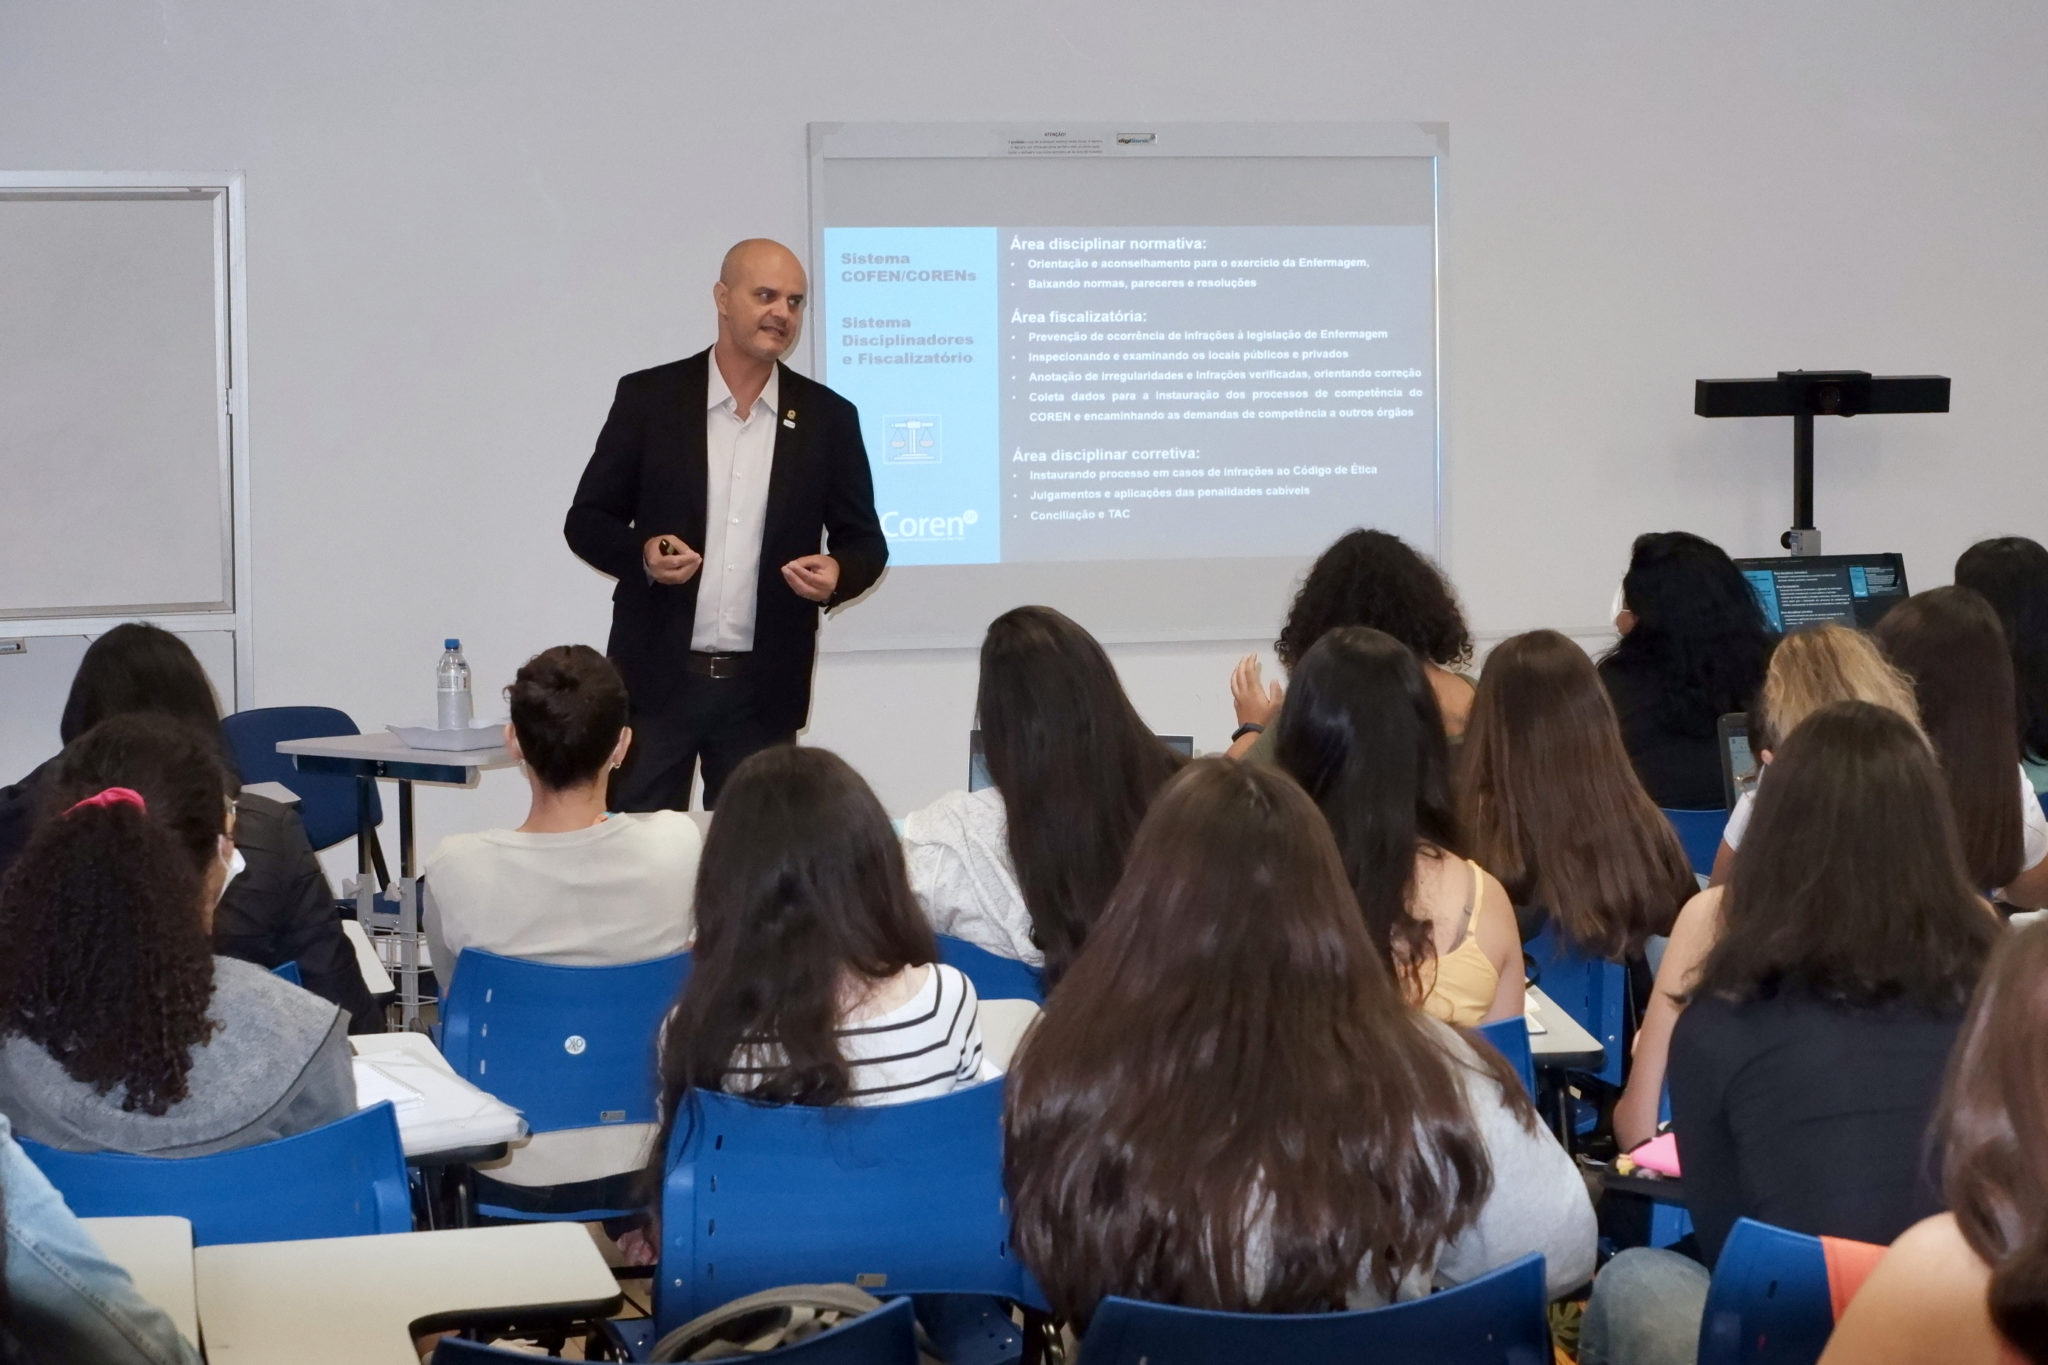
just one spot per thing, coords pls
(231, 325)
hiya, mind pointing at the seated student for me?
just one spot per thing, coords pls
(816, 979)
(2012, 575)
(574, 884)
(1368, 578)
(1022, 867)
(64, 1300)
(1693, 648)
(1807, 1065)
(1361, 732)
(278, 907)
(1949, 642)
(1228, 1106)
(1970, 1287)
(1551, 806)
(1811, 668)
(119, 1029)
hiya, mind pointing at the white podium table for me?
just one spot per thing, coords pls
(368, 758)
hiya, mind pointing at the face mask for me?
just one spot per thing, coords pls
(1620, 603)
(235, 864)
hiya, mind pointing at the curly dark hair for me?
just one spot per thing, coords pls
(109, 966)
(1700, 632)
(1371, 578)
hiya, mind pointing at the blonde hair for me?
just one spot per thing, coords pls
(1819, 665)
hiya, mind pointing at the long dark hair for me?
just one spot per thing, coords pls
(138, 667)
(1372, 578)
(1851, 886)
(1551, 805)
(1230, 1052)
(109, 966)
(568, 706)
(801, 893)
(1075, 764)
(2012, 574)
(1699, 631)
(1949, 642)
(1993, 1112)
(1360, 730)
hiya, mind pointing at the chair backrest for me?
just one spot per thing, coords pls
(994, 977)
(1591, 990)
(1497, 1319)
(897, 1199)
(1511, 1038)
(569, 1047)
(1700, 833)
(346, 1179)
(327, 801)
(288, 971)
(1769, 1303)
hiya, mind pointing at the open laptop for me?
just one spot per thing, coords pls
(1739, 764)
(1811, 590)
(977, 760)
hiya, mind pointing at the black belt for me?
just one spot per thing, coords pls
(714, 665)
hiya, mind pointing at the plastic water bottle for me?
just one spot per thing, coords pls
(452, 706)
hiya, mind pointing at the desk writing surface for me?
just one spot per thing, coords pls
(1562, 1035)
(358, 1300)
(157, 1254)
(275, 791)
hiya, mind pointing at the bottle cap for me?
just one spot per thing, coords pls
(451, 644)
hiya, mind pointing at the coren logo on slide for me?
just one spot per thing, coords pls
(896, 526)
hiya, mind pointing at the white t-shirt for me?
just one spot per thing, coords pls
(957, 852)
(2033, 822)
(619, 891)
(925, 1047)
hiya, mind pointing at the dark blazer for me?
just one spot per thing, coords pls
(648, 477)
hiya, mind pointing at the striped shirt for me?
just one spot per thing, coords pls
(923, 1048)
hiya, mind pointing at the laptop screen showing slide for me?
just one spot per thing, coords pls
(1812, 590)
(977, 761)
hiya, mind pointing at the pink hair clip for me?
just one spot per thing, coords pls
(114, 796)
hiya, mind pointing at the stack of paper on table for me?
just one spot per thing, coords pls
(448, 1113)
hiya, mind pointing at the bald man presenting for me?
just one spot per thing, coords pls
(730, 497)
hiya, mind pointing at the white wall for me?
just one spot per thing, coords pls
(466, 219)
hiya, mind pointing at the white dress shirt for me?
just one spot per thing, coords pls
(739, 450)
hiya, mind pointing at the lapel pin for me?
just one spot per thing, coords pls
(789, 419)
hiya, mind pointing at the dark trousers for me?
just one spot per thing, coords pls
(712, 719)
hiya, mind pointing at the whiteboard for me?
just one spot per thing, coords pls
(116, 451)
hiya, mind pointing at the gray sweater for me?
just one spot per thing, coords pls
(277, 1064)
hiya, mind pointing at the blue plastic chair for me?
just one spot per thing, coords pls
(1769, 1302)
(569, 1047)
(1700, 832)
(887, 1336)
(995, 977)
(1510, 1037)
(288, 971)
(1497, 1319)
(346, 1179)
(1591, 990)
(327, 801)
(898, 1199)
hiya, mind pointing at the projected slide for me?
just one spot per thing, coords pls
(1175, 392)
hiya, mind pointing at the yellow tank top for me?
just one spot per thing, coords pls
(1463, 982)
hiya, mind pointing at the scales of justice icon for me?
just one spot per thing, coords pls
(913, 440)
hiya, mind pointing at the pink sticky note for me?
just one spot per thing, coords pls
(1659, 1154)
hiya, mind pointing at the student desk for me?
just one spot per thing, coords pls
(1563, 1044)
(367, 758)
(275, 791)
(157, 1254)
(361, 1300)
